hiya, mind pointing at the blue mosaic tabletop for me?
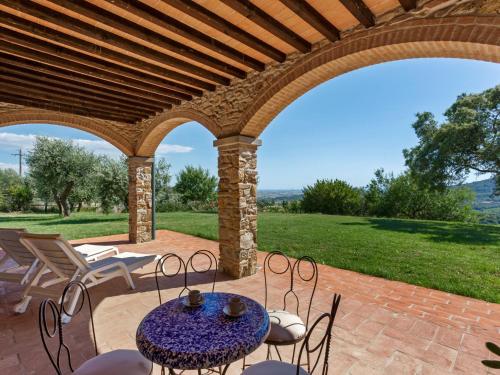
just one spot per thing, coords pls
(189, 338)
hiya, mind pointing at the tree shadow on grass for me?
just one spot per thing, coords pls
(90, 220)
(7, 219)
(438, 232)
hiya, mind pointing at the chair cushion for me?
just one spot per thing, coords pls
(117, 362)
(273, 368)
(286, 328)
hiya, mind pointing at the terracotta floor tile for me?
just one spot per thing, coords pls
(383, 326)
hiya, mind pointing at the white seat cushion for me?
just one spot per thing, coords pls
(117, 362)
(273, 368)
(133, 261)
(286, 328)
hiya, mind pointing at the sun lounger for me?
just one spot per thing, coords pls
(67, 264)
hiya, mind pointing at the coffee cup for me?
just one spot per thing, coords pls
(194, 297)
(236, 305)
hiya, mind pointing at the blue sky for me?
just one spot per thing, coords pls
(345, 128)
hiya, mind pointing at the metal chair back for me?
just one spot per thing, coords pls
(51, 326)
(185, 268)
(314, 351)
(293, 272)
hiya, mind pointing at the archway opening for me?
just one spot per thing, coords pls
(347, 128)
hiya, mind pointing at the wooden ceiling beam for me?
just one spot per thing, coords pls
(408, 4)
(218, 23)
(34, 10)
(78, 78)
(92, 51)
(57, 88)
(47, 105)
(37, 50)
(166, 22)
(65, 98)
(264, 20)
(305, 11)
(147, 35)
(360, 11)
(96, 92)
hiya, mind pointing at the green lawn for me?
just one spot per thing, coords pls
(458, 258)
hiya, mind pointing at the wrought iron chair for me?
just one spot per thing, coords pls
(124, 362)
(287, 327)
(307, 350)
(184, 267)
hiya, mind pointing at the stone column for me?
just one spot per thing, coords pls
(140, 199)
(238, 205)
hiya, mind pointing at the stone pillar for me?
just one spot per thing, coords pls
(238, 205)
(140, 199)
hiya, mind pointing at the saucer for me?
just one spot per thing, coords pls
(228, 312)
(187, 303)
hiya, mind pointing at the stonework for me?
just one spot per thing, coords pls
(140, 199)
(238, 205)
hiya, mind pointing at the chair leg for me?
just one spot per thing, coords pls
(128, 278)
(278, 352)
(21, 307)
(268, 355)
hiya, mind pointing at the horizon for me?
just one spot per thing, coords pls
(344, 143)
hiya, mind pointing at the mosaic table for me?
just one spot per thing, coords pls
(188, 338)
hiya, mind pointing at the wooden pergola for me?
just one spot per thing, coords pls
(130, 71)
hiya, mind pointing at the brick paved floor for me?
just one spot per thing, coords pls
(383, 327)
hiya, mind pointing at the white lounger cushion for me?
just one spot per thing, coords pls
(273, 368)
(286, 328)
(117, 362)
(91, 252)
(133, 261)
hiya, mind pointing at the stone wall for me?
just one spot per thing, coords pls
(238, 205)
(140, 199)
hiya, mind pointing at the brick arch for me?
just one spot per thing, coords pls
(100, 128)
(158, 129)
(458, 36)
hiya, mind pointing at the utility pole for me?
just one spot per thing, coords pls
(20, 154)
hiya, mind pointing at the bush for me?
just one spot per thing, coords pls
(402, 197)
(332, 197)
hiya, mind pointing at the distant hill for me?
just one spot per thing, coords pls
(484, 194)
(279, 194)
(483, 189)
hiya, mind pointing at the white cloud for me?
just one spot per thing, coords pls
(12, 141)
(164, 148)
(9, 166)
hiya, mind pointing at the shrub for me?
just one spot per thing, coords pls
(332, 197)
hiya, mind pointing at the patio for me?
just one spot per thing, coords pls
(383, 327)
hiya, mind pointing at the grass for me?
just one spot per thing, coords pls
(453, 257)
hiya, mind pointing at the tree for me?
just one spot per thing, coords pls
(162, 180)
(196, 184)
(469, 140)
(403, 197)
(19, 197)
(8, 178)
(59, 165)
(332, 197)
(112, 183)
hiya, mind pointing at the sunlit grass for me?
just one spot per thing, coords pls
(454, 257)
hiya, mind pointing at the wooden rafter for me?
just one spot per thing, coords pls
(408, 4)
(102, 85)
(305, 11)
(61, 20)
(34, 49)
(57, 87)
(166, 22)
(264, 20)
(33, 91)
(213, 20)
(50, 105)
(360, 11)
(147, 35)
